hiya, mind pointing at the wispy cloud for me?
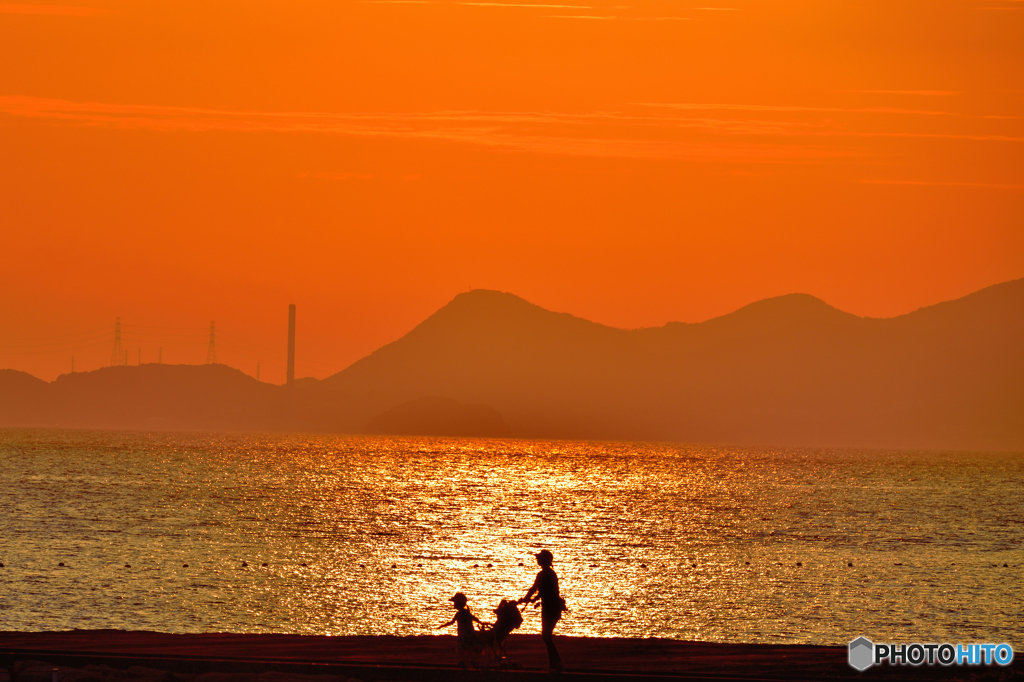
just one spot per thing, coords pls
(602, 134)
(941, 183)
(976, 137)
(823, 110)
(347, 176)
(56, 10)
(921, 93)
(539, 5)
(516, 4)
(200, 119)
(690, 106)
(506, 5)
(609, 17)
(338, 176)
(671, 135)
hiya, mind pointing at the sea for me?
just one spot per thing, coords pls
(336, 535)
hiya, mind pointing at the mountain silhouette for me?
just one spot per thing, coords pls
(785, 370)
(188, 397)
(789, 370)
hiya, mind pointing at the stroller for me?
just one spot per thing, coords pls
(492, 637)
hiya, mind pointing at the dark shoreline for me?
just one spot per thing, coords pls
(122, 656)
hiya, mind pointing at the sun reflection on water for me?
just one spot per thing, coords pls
(372, 535)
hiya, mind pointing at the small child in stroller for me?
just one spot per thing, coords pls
(508, 619)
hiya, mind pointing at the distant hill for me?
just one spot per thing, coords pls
(786, 370)
(790, 370)
(22, 398)
(187, 397)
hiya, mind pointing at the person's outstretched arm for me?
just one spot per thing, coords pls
(451, 622)
(532, 591)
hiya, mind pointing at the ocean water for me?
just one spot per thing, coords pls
(372, 535)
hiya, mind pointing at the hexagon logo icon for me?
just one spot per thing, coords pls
(862, 653)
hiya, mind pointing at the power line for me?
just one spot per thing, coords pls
(255, 351)
(23, 349)
(46, 351)
(157, 326)
(39, 339)
(197, 339)
(247, 348)
(58, 342)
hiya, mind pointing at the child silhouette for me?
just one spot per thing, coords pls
(468, 642)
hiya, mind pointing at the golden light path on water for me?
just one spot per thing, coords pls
(372, 535)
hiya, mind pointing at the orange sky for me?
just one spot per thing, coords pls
(177, 162)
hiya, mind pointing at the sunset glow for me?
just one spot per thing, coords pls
(173, 163)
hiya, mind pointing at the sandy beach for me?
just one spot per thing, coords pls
(104, 655)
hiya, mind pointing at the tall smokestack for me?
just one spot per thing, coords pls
(291, 344)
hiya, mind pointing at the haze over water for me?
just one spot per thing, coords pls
(649, 539)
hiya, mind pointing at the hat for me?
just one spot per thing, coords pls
(459, 598)
(544, 557)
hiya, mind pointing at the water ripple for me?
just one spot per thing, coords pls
(372, 535)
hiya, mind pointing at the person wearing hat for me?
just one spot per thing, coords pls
(467, 642)
(545, 588)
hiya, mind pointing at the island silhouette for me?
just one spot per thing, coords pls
(790, 370)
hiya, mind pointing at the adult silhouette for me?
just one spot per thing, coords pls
(545, 588)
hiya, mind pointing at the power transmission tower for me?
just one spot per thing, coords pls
(118, 357)
(211, 351)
